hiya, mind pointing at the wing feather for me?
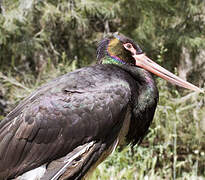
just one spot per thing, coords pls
(72, 110)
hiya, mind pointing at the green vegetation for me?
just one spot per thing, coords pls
(40, 40)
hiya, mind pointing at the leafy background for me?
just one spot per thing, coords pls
(42, 39)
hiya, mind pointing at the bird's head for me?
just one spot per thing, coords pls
(114, 49)
(119, 49)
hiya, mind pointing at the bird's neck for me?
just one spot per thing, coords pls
(147, 92)
(143, 102)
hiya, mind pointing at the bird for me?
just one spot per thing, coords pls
(65, 128)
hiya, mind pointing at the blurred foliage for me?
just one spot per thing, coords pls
(31, 32)
(42, 39)
(36, 31)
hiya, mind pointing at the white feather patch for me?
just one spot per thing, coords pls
(34, 174)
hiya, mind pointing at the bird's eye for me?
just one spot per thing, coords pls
(128, 46)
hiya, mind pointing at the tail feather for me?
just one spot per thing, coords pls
(68, 164)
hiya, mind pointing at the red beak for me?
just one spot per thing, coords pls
(146, 63)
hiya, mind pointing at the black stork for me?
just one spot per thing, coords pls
(69, 125)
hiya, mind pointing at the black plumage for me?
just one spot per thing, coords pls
(75, 121)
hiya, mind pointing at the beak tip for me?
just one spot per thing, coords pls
(201, 91)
